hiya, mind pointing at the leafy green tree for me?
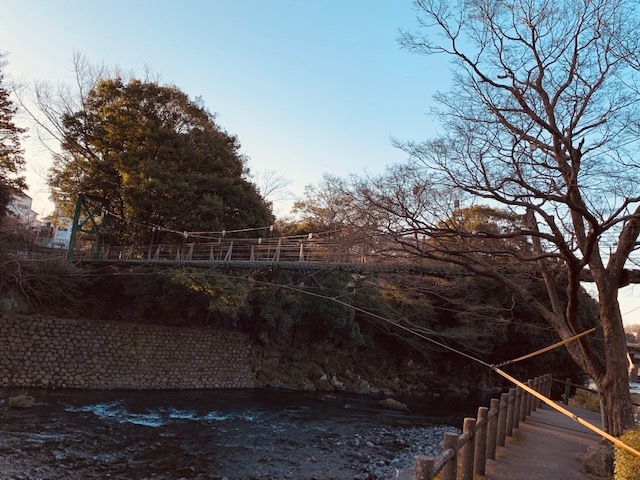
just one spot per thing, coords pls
(158, 158)
(11, 159)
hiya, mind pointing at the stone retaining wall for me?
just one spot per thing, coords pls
(52, 352)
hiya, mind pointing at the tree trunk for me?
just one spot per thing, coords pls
(613, 386)
(615, 403)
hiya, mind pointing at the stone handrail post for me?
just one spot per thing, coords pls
(502, 420)
(523, 406)
(567, 391)
(535, 401)
(516, 408)
(529, 398)
(450, 470)
(467, 449)
(425, 468)
(492, 428)
(511, 403)
(480, 458)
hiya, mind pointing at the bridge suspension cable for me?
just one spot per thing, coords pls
(205, 235)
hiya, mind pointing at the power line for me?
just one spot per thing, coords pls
(630, 311)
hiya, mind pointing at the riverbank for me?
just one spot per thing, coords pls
(149, 327)
(40, 351)
(323, 367)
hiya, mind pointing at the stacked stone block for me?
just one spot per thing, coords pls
(63, 353)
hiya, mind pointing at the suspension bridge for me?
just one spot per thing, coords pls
(209, 249)
(300, 252)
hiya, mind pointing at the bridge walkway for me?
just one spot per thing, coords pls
(548, 445)
(297, 253)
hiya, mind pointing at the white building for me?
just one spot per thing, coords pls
(52, 231)
(20, 206)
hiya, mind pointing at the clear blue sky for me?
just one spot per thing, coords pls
(308, 86)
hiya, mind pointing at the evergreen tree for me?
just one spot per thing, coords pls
(11, 158)
(157, 157)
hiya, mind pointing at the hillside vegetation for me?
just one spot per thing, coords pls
(373, 326)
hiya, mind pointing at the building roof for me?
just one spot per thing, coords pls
(633, 347)
(21, 194)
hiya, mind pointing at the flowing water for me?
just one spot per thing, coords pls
(236, 434)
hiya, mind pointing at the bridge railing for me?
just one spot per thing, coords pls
(464, 456)
(238, 249)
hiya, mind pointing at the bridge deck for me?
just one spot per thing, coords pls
(302, 254)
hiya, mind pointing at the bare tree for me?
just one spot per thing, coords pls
(48, 103)
(272, 185)
(337, 207)
(542, 120)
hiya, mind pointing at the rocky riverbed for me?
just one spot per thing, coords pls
(232, 434)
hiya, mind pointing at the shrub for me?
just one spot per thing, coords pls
(585, 400)
(45, 285)
(626, 465)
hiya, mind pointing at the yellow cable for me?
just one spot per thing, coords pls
(566, 412)
(550, 347)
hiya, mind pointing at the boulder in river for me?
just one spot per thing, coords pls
(393, 404)
(20, 401)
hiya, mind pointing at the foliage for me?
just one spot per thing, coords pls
(144, 295)
(158, 158)
(11, 159)
(626, 465)
(471, 314)
(297, 307)
(337, 206)
(271, 303)
(585, 400)
(491, 230)
(227, 296)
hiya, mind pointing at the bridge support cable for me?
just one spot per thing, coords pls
(546, 349)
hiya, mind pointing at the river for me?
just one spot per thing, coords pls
(232, 434)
